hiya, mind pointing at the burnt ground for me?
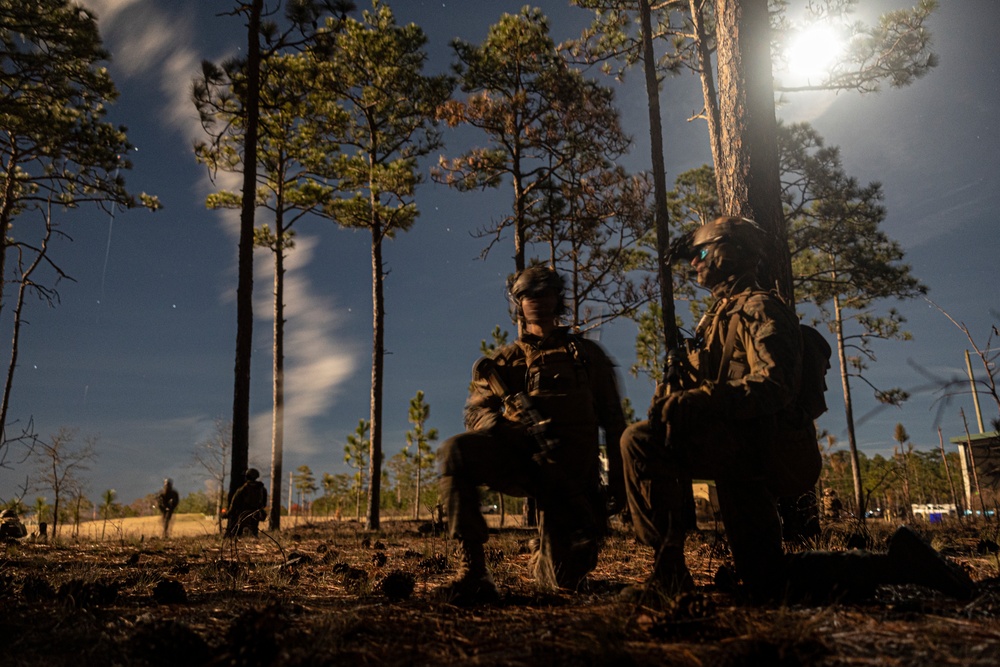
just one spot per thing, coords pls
(330, 594)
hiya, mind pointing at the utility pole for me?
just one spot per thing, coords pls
(975, 393)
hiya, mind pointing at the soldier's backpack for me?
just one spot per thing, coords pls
(796, 462)
(816, 353)
(794, 458)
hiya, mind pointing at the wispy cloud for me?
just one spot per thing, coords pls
(108, 11)
(317, 363)
(155, 39)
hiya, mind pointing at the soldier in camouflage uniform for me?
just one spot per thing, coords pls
(571, 382)
(832, 507)
(11, 528)
(247, 508)
(166, 502)
(729, 422)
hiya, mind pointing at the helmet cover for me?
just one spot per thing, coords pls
(536, 280)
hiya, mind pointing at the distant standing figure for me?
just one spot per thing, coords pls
(166, 502)
(832, 507)
(246, 510)
(11, 528)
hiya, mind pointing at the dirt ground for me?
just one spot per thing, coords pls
(325, 594)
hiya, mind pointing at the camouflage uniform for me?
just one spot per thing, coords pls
(737, 422)
(571, 381)
(728, 437)
(167, 502)
(246, 510)
(11, 528)
(832, 507)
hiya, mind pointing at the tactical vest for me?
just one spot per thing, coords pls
(558, 382)
(253, 496)
(791, 451)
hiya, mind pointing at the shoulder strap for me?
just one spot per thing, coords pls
(728, 347)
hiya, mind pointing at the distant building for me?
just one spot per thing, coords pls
(984, 449)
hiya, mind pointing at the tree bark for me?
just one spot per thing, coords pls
(378, 358)
(661, 216)
(708, 90)
(244, 290)
(852, 441)
(278, 414)
(748, 176)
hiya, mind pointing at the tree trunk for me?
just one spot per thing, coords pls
(709, 93)
(378, 358)
(357, 498)
(18, 311)
(848, 410)
(748, 178)
(416, 500)
(520, 224)
(661, 218)
(951, 482)
(278, 415)
(55, 517)
(244, 290)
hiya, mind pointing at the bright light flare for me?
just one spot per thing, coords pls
(811, 53)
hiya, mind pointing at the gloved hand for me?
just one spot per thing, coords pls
(685, 408)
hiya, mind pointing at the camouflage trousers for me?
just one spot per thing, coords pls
(654, 479)
(165, 520)
(657, 480)
(571, 524)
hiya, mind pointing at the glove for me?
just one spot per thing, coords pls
(685, 408)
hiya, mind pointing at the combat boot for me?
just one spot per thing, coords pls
(474, 583)
(911, 560)
(670, 577)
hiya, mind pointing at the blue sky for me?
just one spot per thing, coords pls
(140, 351)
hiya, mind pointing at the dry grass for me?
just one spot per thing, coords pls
(324, 593)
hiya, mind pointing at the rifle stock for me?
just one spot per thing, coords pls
(673, 383)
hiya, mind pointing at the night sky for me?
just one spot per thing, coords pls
(139, 352)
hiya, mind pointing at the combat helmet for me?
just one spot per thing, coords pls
(743, 233)
(731, 245)
(536, 280)
(252, 474)
(8, 514)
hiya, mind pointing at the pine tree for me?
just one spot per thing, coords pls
(356, 454)
(843, 263)
(419, 438)
(374, 69)
(58, 149)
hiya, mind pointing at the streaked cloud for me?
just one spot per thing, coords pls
(155, 39)
(317, 360)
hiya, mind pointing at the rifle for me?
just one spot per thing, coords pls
(680, 248)
(486, 369)
(673, 381)
(551, 482)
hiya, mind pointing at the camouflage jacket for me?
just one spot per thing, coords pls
(11, 528)
(167, 500)
(571, 381)
(762, 375)
(250, 497)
